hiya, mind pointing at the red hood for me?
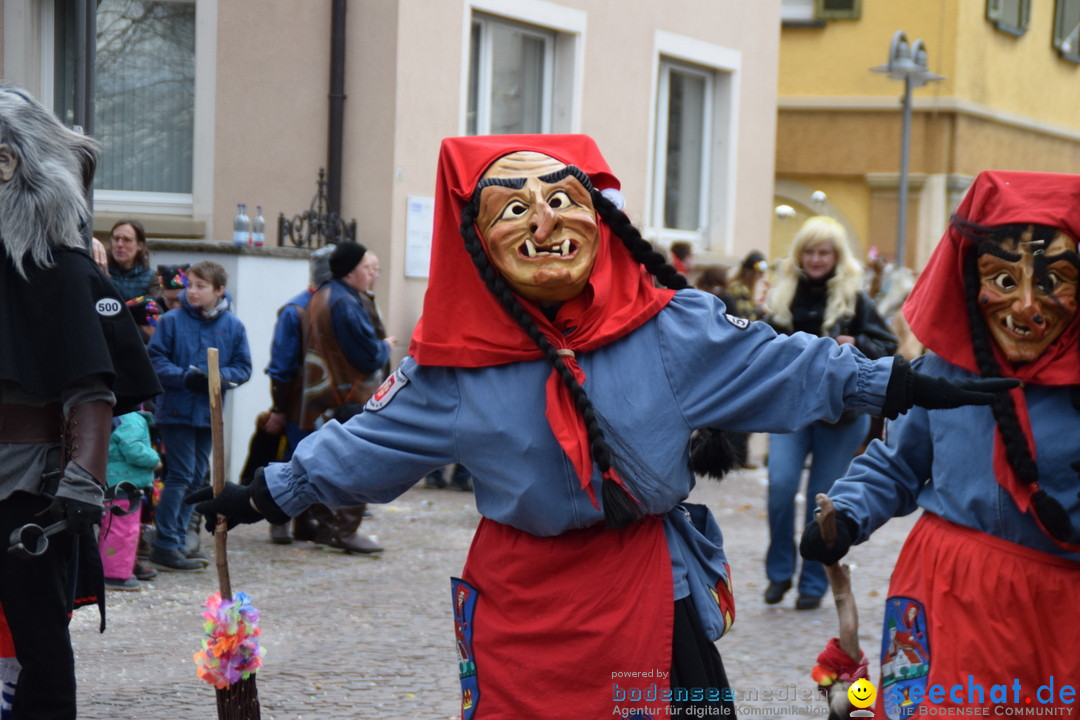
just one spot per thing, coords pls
(936, 308)
(463, 325)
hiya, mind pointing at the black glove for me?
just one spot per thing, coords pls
(813, 547)
(908, 388)
(197, 382)
(79, 500)
(235, 503)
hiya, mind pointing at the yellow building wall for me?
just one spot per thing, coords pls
(1005, 102)
(835, 60)
(848, 198)
(1015, 77)
(981, 64)
(985, 145)
(1021, 75)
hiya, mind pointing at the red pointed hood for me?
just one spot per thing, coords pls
(463, 325)
(936, 308)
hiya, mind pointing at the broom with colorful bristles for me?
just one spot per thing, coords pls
(230, 653)
(842, 662)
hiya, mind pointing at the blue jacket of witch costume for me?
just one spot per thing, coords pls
(941, 460)
(688, 367)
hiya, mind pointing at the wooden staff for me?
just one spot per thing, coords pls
(840, 581)
(217, 471)
(239, 701)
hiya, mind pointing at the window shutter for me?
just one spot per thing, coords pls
(837, 9)
(1010, 16)
(1064, 24)
(1067, 31)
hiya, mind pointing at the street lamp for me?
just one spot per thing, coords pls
(907, 62)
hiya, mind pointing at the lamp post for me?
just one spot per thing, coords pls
(907, 62)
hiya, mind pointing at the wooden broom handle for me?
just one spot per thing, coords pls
(839, 581)
(217, 470)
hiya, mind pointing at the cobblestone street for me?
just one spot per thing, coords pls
(360, 637)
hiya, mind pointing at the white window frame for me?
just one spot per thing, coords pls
(563, 81)
(718, 227)
(669, 235)
(29, 33)
(486, 62)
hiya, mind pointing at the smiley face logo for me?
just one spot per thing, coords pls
(862, 693)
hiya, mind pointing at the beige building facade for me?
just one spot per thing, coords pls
(1005, 102)
(680, 96)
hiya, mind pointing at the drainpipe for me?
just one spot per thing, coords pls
(337, 107)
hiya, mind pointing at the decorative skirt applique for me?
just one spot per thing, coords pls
(973, 621)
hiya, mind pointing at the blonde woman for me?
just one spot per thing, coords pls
(817, 291)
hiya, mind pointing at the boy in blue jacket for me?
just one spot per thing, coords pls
(178, 351)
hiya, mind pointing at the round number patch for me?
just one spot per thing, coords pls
(108, 306)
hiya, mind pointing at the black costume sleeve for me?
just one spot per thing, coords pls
(67, 322)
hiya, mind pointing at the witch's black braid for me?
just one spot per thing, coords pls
(619, 510)
(711, 450)
(639, 247)
(1016, 448)
(497, 286)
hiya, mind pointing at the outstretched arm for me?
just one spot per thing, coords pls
(908, 388)
(883, 483)
(373, 457)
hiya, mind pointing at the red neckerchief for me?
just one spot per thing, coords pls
(999, 198)
(463, 325)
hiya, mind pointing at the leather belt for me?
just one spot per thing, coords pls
(31, 424)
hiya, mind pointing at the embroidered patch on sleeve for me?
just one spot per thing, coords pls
(386, 392)
(741, 323)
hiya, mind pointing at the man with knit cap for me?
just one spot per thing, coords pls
(344, 360)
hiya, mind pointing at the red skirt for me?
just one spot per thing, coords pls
(974, 621)
(572, 626)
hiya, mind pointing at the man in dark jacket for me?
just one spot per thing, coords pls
(71, 357)
(287, 381)
(345, 358)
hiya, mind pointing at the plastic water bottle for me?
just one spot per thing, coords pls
(241, 226)
(258, 225)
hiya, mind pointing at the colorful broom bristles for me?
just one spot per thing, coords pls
(230, 651)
